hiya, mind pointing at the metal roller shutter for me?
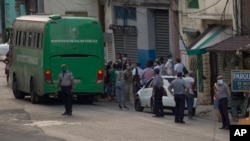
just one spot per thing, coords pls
(162, 33)
(126, 43)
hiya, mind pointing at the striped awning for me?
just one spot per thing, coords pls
(209, 38)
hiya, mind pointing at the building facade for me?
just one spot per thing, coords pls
(141, 29)
(204, 23)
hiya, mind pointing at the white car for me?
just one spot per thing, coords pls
(4, 48)
(144, 96)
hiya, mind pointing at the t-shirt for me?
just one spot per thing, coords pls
(169, 66)
(178, 85)
(112, 75)
(189, 82)
(179, 67)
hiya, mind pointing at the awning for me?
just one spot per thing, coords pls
(210, 37)
(237, 43)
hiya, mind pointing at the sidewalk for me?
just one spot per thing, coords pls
(205, 112)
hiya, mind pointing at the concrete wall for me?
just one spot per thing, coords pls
(61, 6)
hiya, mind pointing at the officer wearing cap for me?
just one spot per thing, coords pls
(222, 93)
(180, 89)
(66, 83)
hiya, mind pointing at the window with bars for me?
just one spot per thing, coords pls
(193, 3)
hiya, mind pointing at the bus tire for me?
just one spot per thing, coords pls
(90, 99)
(16, 92)
(33, 96)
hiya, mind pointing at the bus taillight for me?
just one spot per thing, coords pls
(48, 77)
(99, 76)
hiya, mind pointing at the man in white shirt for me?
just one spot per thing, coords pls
(138, 67)
(190, 82)
(168, 67)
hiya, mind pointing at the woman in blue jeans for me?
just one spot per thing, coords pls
(120, 87)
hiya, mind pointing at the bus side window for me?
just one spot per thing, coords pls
(24, 38)
(34, 40)
(41, 44)
(29, 39)
(38, 40)
(17, 33)
(19, 38)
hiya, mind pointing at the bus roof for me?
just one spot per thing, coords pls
(45, 18)
(41, 18)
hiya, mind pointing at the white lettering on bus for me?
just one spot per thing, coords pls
(27, 59)
(75, 41)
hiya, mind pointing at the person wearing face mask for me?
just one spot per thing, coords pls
(223, 93)
(168, 67)
(66, 83)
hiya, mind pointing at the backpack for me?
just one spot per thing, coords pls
(136, 78)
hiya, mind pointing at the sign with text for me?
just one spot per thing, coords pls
(240, 80)
(239, 132)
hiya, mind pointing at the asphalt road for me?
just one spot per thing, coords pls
(104, 121)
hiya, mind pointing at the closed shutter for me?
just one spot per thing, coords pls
(225, 66)
(126, 43)
(162, 33)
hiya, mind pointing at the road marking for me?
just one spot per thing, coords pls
(51, 123)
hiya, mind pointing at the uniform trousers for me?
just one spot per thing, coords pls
(67, 98)
(179, 106)
(223, 108)
(158, 109)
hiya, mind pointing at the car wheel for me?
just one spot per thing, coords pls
(194, 110)
(138, 106)
(16, 92)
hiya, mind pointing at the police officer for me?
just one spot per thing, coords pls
(223, 93)
(66, 82)
(157, 93)
(180, 90)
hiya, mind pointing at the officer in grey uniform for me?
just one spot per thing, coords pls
(180, 90)
(223, 93)
(158, 93)
(66, 82)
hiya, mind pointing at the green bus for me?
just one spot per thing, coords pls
(40, 44)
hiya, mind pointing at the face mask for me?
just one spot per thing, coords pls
(64, 69)
(219, 81)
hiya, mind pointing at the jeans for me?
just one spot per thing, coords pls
(119, 90)
(190, 103)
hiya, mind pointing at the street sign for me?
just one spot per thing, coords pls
(240, 80)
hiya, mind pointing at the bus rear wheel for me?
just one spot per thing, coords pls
(33, 96)
(16, 92)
